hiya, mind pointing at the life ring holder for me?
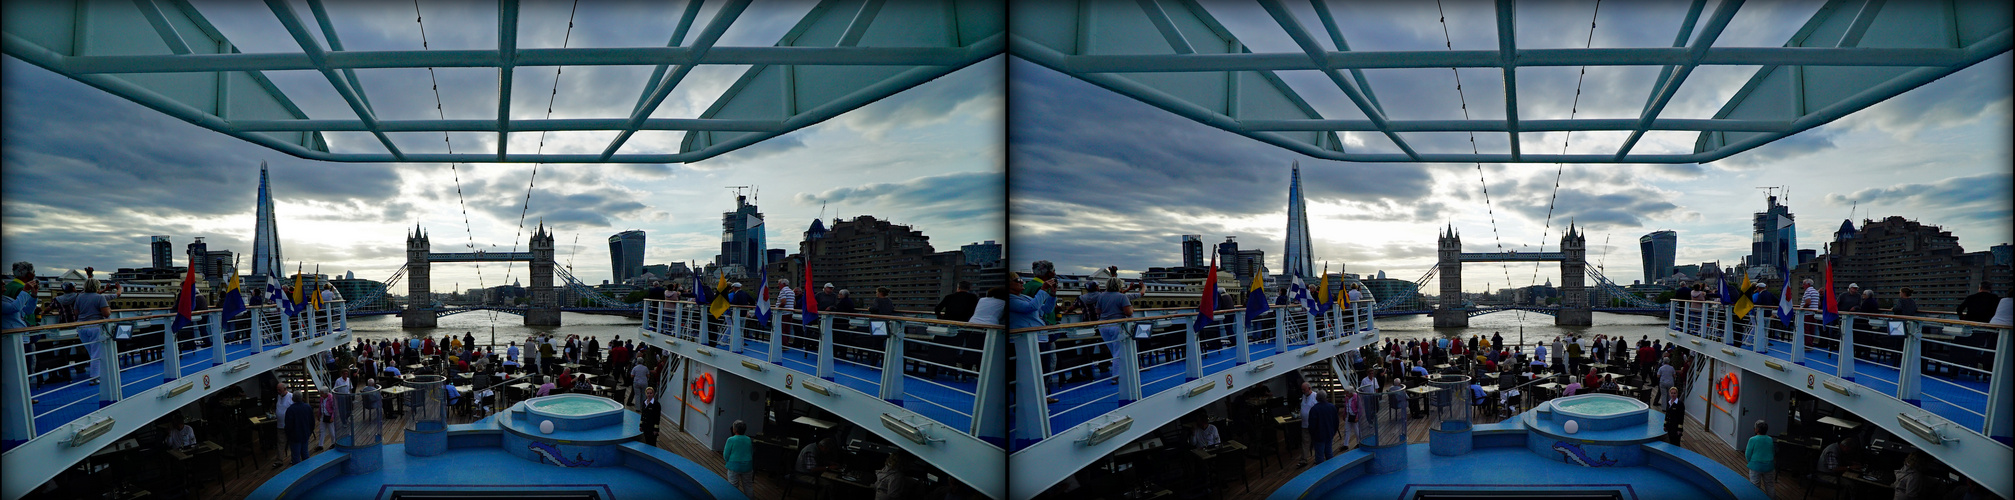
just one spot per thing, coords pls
(1730, 388)
(704, 388)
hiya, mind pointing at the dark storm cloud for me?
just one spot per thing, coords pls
(1100, 179)
(934, 201)
(74, 147)
(1976, 198)
(580, 209)
(1075, 142)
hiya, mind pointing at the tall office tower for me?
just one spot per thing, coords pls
(1192, 251)
(266, 258)
(1299, 259)
(742, 240)
(982, 254)
(1775, 244)
(1660, 249)
(626, 255)
(197, 253)
(163, 251)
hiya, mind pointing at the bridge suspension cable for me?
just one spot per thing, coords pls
(1568, 137)
(533, 182)
(445, 138)
(1449, 43)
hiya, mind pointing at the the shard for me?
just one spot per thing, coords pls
(1299, 259)
(266, 257)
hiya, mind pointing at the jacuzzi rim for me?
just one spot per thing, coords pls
(1555, 405)
(532, 406)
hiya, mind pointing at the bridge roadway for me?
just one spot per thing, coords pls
(1959, 414)
(50, 427)
(946, 380)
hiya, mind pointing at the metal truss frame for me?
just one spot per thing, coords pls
(961, 41)
(1840, 39)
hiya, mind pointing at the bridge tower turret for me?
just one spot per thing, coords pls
(1448, 255)
(1574, 306)
(419, 297)
(545, 307)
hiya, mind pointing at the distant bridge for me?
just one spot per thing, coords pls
(442, 312)
(1546, 310)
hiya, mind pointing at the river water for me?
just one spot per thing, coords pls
(1536, 327)
(508, 327)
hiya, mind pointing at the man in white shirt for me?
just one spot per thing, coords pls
(180, 434)
(1202, 434)
(329, 295)
(284, 401)
(1308, 393)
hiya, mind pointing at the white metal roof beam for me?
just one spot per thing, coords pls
(507, 52)
(152, 11)
(1314, 54)
(1717, 56)
(598, 56)
(1336, 36)
(678, 35)
(1167, 28)
(1669, 78)
(709, 36)
(1507, 48)
(336, 44)
(560, 124)
(315, 55)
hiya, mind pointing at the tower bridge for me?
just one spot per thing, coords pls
(544, 310)
(1574, 308)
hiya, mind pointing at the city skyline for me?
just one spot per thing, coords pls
(92, 175)
(1082, 153)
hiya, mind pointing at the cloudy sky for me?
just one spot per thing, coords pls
(89, 176)
(1101, 179)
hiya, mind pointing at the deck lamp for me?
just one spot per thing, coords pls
(1921, 429)
(1108, 431)
(1835, 387)
(1311, 351)
(1263, 366)
(1774, 365)
(1201, 389)
(752, 365)
(283, 352)
(92, 431)
(177, 390)
(906, 430)
(1730, 352)
(241, 366)
(820, 389)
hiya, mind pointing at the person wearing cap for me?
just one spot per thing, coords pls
(827, 298)
(738, 297)
(1849, 299)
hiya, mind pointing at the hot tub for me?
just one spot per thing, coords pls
(572, 412)
(1598, 412)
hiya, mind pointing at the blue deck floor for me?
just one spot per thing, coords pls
(488, 469)
(944, 400)
(1514, 469)
(136, 379)
(1079, 401)
(1882, 378)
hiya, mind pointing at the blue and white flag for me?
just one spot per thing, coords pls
(763, 299)
(1300, 292)
(1784, 301)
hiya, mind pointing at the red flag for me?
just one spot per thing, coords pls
(1826, 300)
(1207, 306)
(185, 302)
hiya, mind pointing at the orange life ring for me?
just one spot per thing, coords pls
(1729, 387)
(704, 388)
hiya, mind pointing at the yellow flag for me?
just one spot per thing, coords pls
(1322, 288)
(1743, 304)
(720, 304)
(297, 287)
